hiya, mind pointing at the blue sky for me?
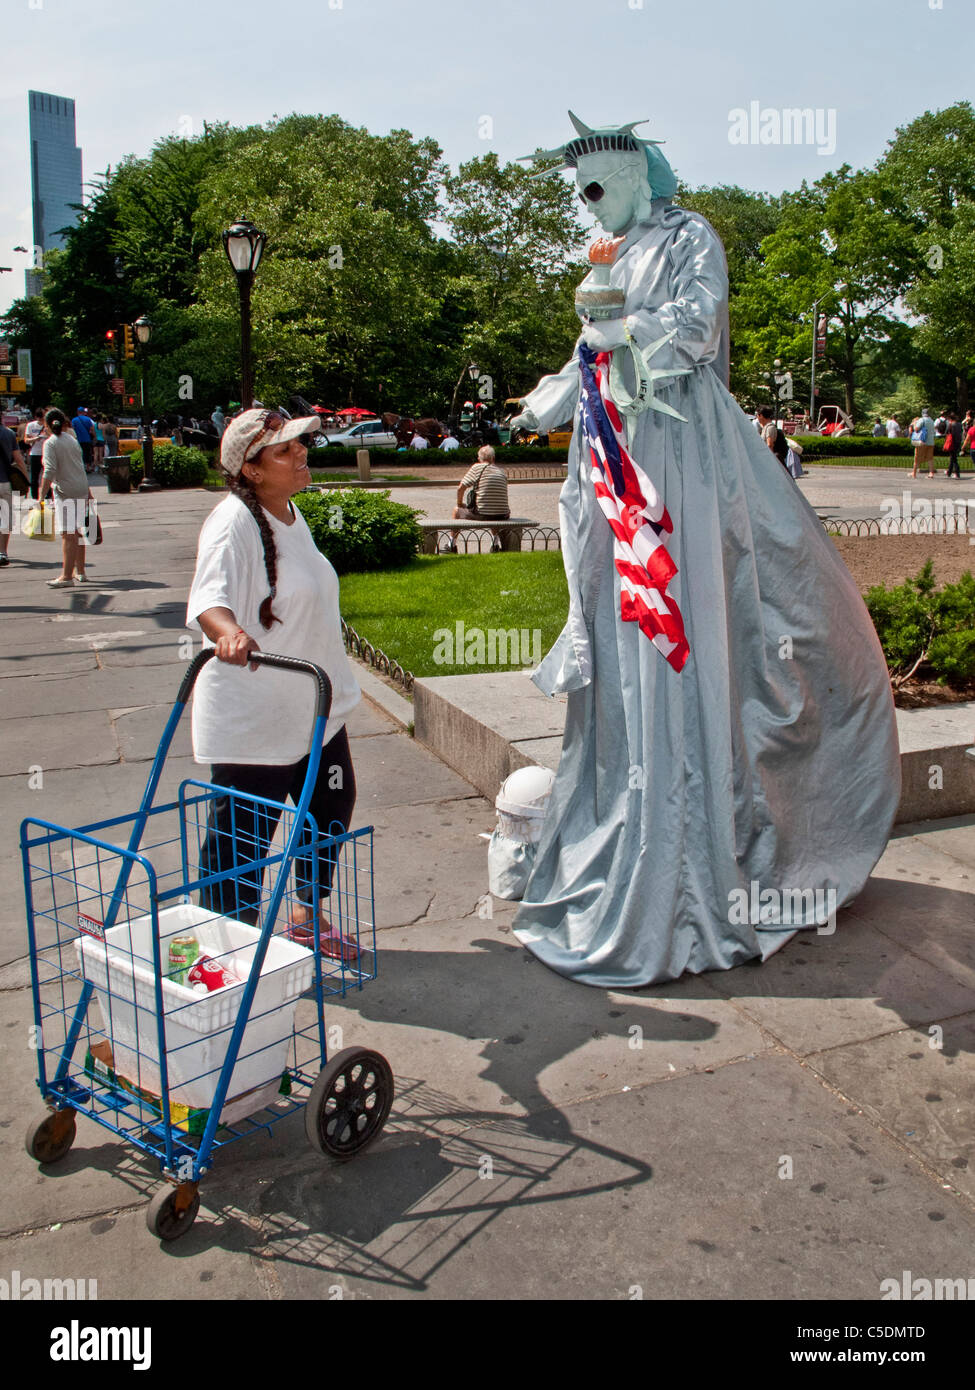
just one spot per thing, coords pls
(140, 69)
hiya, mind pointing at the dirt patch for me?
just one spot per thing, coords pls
(892, 559)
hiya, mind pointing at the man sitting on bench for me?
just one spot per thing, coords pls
(482, 494)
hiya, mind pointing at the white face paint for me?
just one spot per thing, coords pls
(620, 176)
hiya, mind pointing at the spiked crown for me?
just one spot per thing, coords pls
(593, 140)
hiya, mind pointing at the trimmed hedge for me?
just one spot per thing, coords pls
(850, 445)
(173, 465)
(919, 625)
(339, 456)
(358, 529)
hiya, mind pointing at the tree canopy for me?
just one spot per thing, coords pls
(386, 274)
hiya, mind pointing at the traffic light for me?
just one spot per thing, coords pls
(110, 338)
(129, 342)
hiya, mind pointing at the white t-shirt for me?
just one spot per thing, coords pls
(34, 434)
(265, 716)
(449, 444)
(418, 442)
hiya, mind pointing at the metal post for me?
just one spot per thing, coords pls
(148, 483)
(812, 374)
(245, 279)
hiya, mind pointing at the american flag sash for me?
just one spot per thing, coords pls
(636, 515)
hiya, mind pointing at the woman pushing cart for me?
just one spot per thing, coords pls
(176, 1069)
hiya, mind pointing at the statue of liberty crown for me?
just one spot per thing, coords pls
(592, 140)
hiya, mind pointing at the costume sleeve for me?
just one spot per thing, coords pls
(218, 580)
(698, 308)
(554, 398)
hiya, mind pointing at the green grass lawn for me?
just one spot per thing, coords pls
(412, 613)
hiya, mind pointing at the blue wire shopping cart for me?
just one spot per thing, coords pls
(126, 1039)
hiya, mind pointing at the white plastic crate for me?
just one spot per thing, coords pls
(197, 1027)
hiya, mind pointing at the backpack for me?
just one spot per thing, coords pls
(779, 446)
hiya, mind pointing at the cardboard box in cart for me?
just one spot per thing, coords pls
(198, 1027)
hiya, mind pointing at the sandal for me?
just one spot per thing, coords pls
(333, 944)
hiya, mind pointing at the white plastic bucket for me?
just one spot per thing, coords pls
(197, 1027)
(521, 806)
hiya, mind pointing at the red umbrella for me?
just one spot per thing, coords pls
(355, 410)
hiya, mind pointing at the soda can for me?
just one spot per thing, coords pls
(210, 973)
(183, 951)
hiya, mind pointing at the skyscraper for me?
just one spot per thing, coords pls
(55, 173)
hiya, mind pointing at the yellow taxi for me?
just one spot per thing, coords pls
(128, 439)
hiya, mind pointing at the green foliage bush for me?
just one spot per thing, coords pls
(359, 529)
(919, 625)
(173, 465)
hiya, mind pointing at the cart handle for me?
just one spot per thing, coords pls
(285, 663)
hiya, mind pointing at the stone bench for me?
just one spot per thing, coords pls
(509, 531)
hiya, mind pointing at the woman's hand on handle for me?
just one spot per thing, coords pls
(234, 648)
(231, 643)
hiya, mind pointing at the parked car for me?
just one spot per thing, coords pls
(367, 434)
(128, 439)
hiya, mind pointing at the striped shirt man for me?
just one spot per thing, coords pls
(492, 489)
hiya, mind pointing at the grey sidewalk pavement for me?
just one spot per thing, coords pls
(798, 1130)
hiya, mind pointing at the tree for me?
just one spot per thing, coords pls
(835, 246)
(928, 179)
(350, 284)
(743, 220)
(518, 239)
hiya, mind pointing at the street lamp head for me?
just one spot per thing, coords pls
(244, 246)
(143, 329)
(109, 368)
(473, 371)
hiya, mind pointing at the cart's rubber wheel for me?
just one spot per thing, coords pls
(349, 1102)
(50, 1138)
(173, 1210)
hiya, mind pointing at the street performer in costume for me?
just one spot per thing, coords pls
(730, 769)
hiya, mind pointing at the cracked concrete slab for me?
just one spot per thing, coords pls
(920, 1085)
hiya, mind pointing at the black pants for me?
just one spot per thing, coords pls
(953, 464)
(36, 469)
(248, 830)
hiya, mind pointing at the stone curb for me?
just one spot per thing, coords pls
(378, 693)
(488, 726)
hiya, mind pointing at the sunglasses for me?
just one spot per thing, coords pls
(271, 422)
(594, 191)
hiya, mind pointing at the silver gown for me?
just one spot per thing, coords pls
(767, 770)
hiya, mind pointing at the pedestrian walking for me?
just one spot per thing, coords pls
(922, 437)
(110, 436)
(65, 478)
(10, 458)
(953, 443)
(98, 443)
(774, 437)
(84, 429)
(34, 435)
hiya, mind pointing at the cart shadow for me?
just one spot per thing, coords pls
(437, 1179)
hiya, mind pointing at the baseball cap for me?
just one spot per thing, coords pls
(253, 430)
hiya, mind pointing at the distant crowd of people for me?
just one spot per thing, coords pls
(955, 435)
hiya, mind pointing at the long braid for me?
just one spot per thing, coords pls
(242, 488)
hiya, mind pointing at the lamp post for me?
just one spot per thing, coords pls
(244, 246)
(143, 332)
